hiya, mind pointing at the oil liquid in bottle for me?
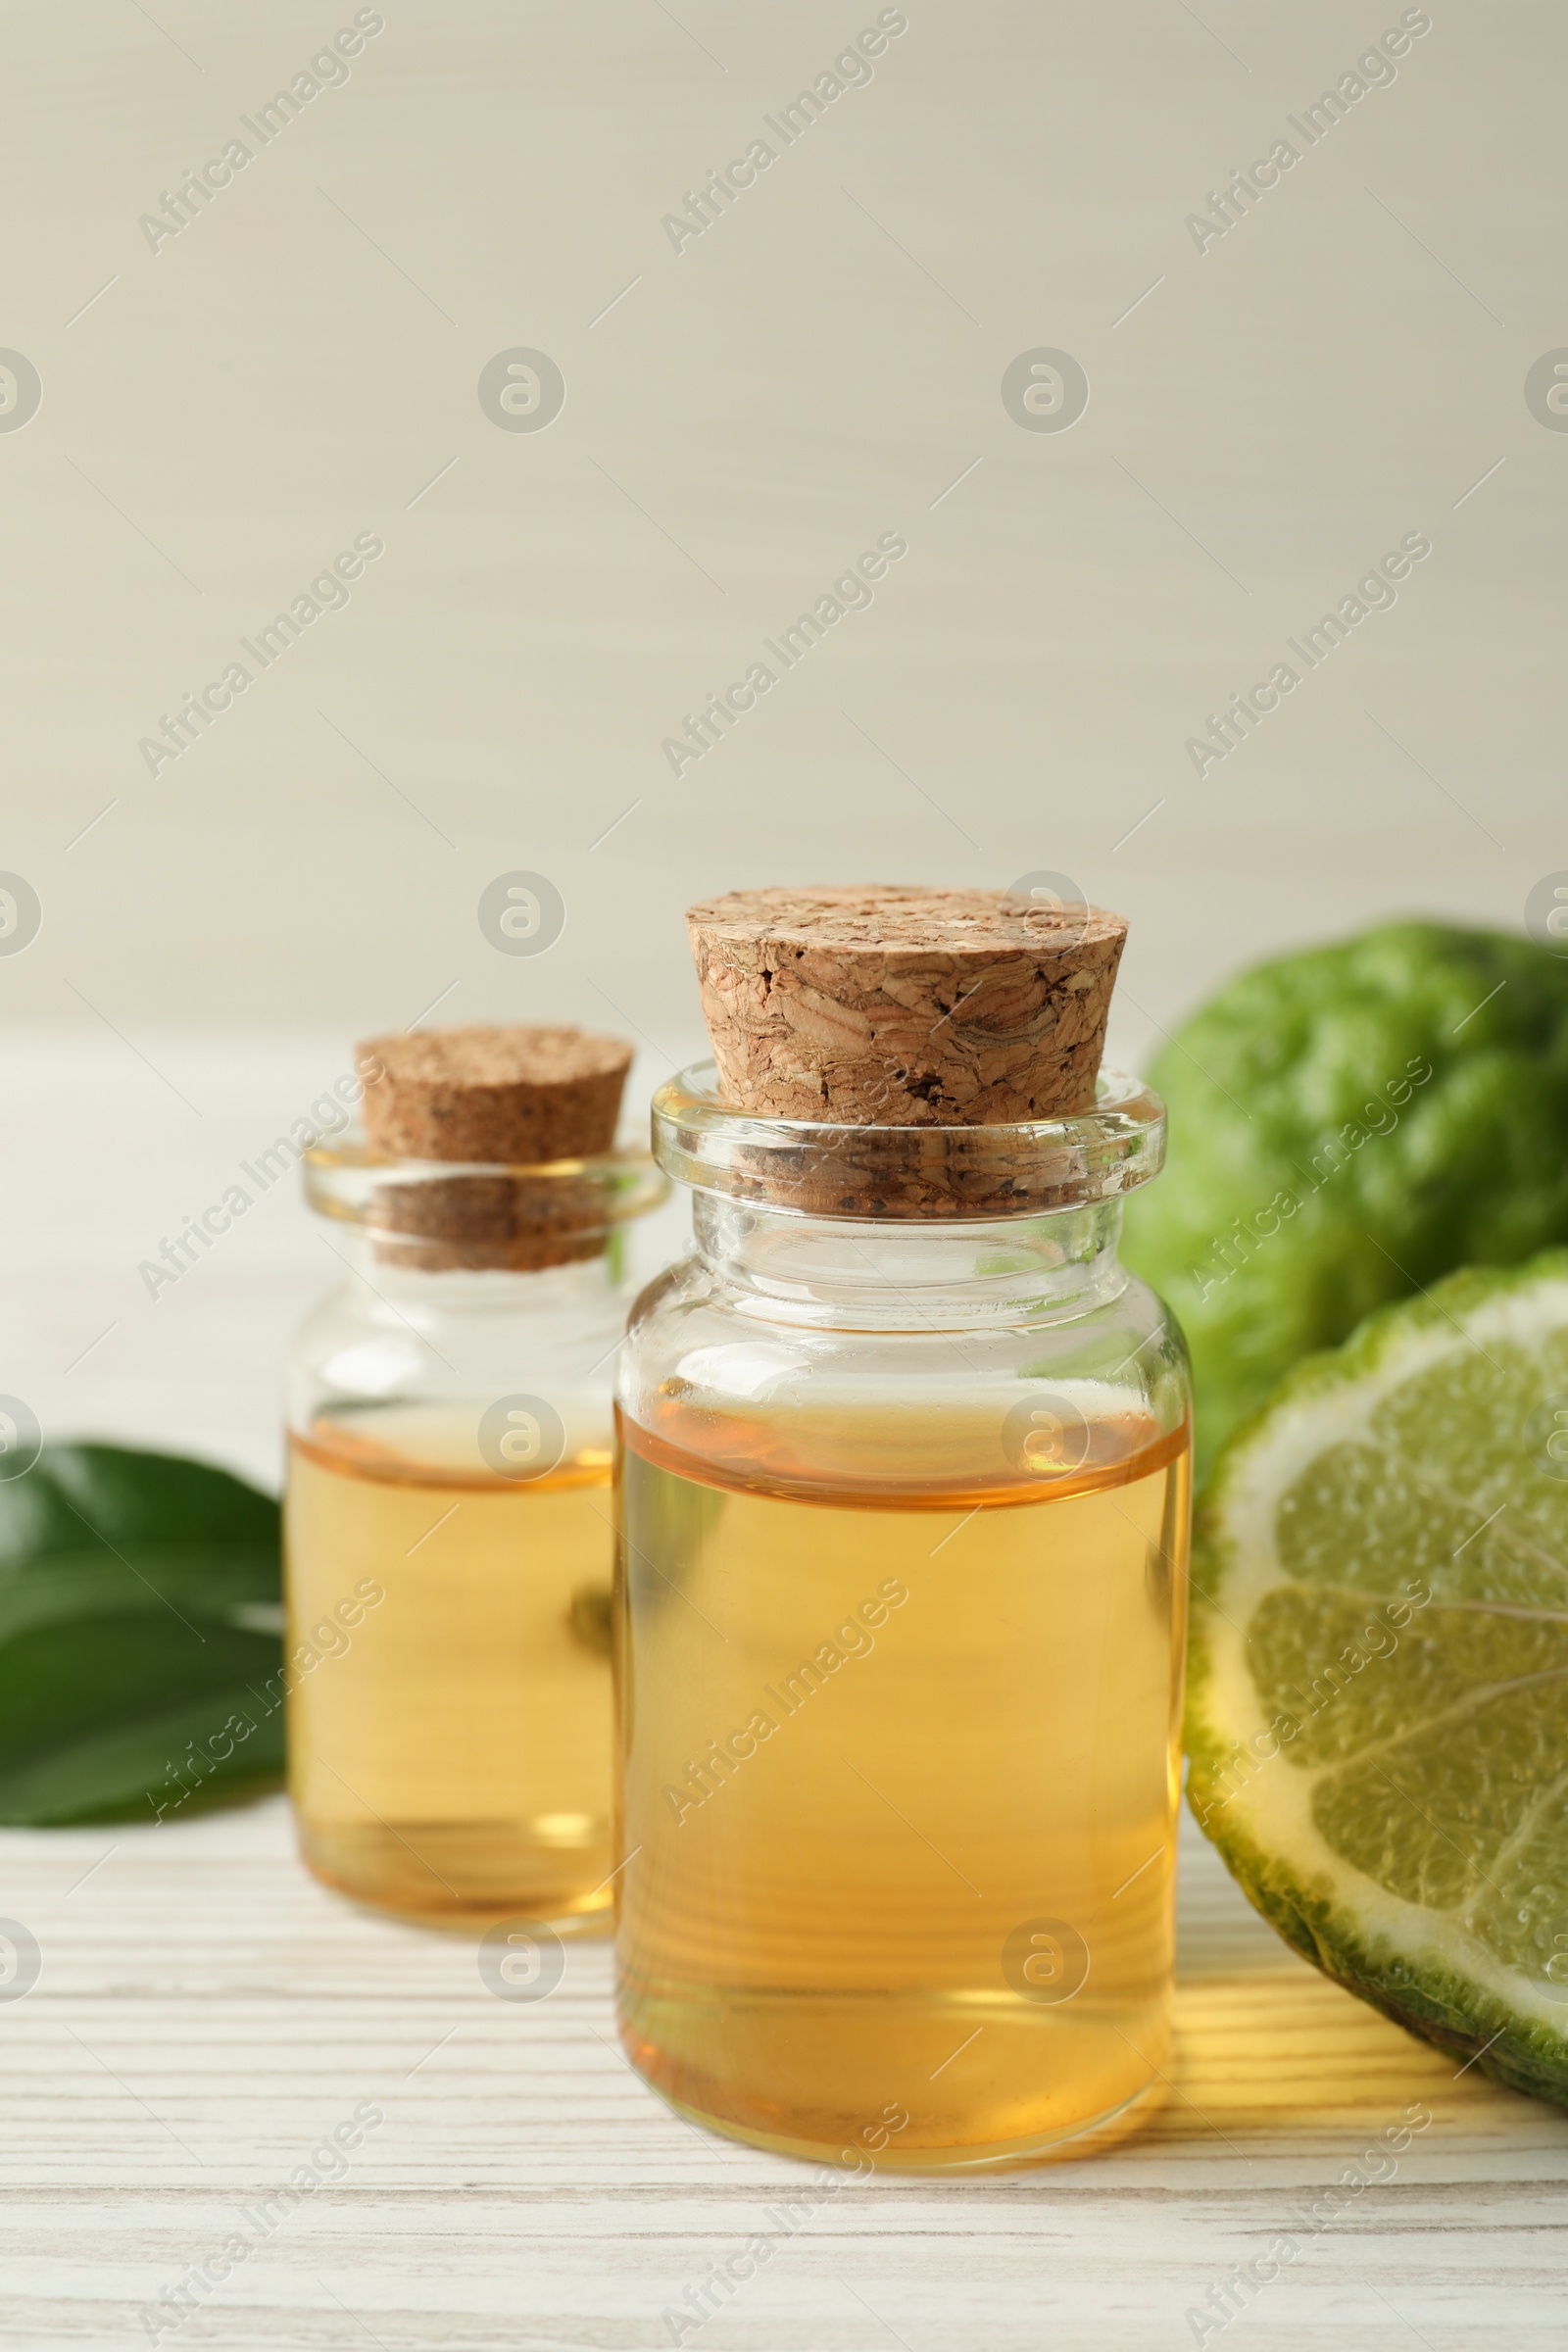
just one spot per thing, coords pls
(449, 1671)
(900, 1773)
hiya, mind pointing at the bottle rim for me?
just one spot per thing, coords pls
(936, 1174)
(444, 1213)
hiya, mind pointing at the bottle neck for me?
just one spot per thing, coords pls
(853, 1273)
(412, 1283)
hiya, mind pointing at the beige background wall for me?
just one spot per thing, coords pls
(816, 369)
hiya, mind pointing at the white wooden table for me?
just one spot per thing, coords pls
(207, 2015)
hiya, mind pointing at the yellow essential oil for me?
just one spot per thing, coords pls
(900, 1770)
(448, 1519)
(449, 1670)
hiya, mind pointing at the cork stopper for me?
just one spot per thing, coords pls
(511, 1100)
(513, 1096)
(891, 1008)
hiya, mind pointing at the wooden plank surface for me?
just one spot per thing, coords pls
(207, 2015)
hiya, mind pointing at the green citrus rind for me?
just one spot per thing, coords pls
(1420, 1964)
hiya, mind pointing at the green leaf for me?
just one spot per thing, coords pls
(123, 1496)
(140, 1650)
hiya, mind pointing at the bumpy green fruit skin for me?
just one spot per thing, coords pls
(1346, 1125)
(1435, 2008)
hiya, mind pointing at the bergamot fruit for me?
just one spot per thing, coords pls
(1346, 1125)
(1378, 1709)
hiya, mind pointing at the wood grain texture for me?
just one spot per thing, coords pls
(893, 1007)
(205, 2014)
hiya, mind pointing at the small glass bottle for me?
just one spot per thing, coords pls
(448, 1534)
(903, 1476)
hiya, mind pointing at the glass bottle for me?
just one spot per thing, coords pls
(448, 1534)
(904, 1497)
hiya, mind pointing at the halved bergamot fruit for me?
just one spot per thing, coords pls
(1378, 1709)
